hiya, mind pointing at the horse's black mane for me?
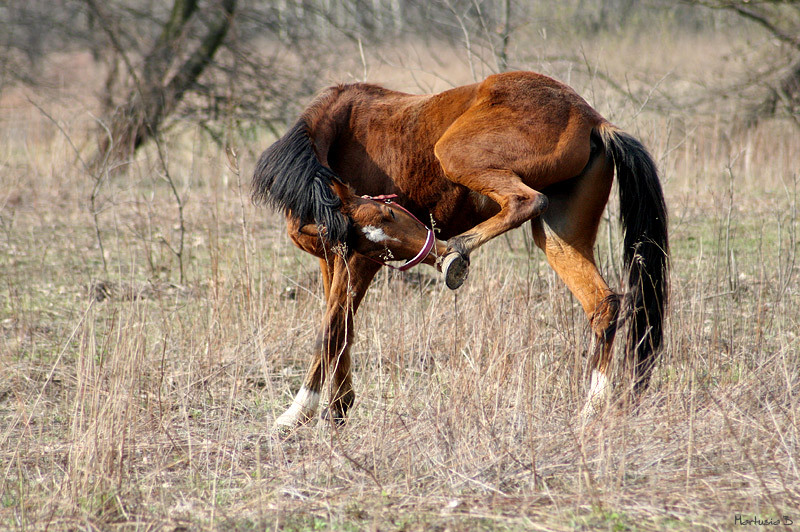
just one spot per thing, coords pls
(290, 177)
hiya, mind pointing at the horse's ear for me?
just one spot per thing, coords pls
(342, 190)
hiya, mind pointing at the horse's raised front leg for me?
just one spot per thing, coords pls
(472, 160)
(349, 281)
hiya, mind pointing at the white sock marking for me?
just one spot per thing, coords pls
(599, 385)
(303, 408)
(598, 390)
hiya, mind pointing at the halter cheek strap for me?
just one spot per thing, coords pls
(430, 240)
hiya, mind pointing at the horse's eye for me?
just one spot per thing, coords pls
(392, 213)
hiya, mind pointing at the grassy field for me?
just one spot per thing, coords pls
(133, 399)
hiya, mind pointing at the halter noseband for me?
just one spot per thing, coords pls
(426, 248)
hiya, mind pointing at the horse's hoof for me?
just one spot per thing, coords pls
(281, 431)
(286, 425)
(329, 414)
(455, 268)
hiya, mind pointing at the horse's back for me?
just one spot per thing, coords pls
(393, 142)
(528, 123)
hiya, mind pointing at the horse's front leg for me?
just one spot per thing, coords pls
(305, 403)
(348, 285)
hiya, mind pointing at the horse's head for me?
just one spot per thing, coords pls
(385, 231)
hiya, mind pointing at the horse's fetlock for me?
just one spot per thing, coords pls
(458, 245)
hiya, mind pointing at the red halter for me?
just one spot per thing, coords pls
(426, 248)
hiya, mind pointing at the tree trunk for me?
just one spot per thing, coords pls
(771, 17)
(159, 84)
(785, 94)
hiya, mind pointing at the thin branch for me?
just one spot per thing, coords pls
(467, 40)
(762, 20)
(98, 178)
(179, 201)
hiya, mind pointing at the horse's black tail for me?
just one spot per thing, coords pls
(644, 219)
(290, 177)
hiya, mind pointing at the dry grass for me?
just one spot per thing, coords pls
(128, 401)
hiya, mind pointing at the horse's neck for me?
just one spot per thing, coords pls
(375, 131)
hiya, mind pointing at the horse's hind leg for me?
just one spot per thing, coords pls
(487, 151)
(518, 204)
(566, 233)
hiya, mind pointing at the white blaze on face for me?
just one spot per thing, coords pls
(376, 234)
(303, 408)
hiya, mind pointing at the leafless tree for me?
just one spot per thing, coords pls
(781, 19)
(155, 84)
(222, 63)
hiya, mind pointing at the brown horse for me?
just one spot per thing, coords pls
(478, 160)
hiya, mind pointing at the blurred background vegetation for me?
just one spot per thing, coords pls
(245, 63)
